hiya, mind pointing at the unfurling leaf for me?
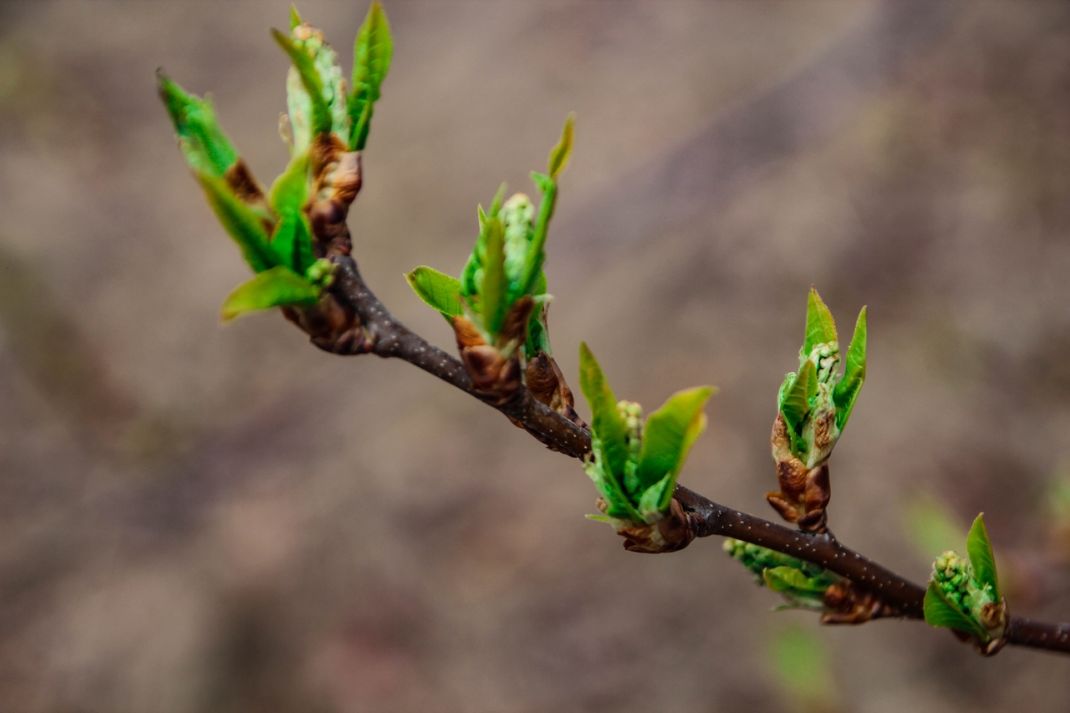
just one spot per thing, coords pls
(292, 239)
(669, 434)
(206, 148)
(560, 154)
(607, 424)
(372, 52)
(437, 289)
(493, 291)
(820, 326)
(939, 611)
(795, 401)
(846, 391)
(242, 222)
(982, 559)
(276, 287)
(305, 65)
(789, 580)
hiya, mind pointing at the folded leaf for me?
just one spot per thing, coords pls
(560, 154)
(653, 502)
(305, 66)
(820, 327)
(437, 289)
(206, 148)
(788, 580)
(274, 288)
(982, 559)
(372, 52)
(794, 399)
(536, 249)
(241, 222)
(854, 374)
(669, 434)
(492, 292)
(606, 422)
(940, 612)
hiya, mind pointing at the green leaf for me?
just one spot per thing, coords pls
(293, 234)
(982, 559)
(651, 505)
(290, 189)
(560, 154)
(846, 391)
(794, 402)
(606, 422)
(274, 288)
(292, 241)
(372, 52)
(820, 327)
(241, 222)
(437, 289)
(788, 580)
(940, 612)
(206, 148)
(492, 292)
(536, 249)
(295, 17)
(669, 434)
(305, 66)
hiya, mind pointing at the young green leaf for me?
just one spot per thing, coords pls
(606, 422)
(242, 222)
(274, 288)
(560, 154)
(536, 249)
(206, 148)
(789, 580)
(654, 501)
(669, 434)
(295, 17)
(795, 402)
(846, 391)
(982, 559)
(289, 192)
(820, 327)
(372, 52)
(437, 289)
(305, 66)
(494, 301)
(940, 612)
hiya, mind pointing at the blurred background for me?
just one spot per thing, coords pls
(198, 518)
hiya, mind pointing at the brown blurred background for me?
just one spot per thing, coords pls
(195, 518)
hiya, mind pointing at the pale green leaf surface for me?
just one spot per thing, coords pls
(372, 53)
(493, 290)
(669, 433)
(940, 612)
(241, 222)
(437, 289)
(982, 558)
(560, 154)
(305, 66)
(204, 145)
(274, 288)
(846, 391)
(606, 421)
(794, 403)
(820, 327)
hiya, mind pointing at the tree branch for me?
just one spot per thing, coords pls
(896, 596)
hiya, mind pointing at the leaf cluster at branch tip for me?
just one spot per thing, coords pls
(635, 462)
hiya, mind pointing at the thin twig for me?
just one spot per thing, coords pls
(387, 337)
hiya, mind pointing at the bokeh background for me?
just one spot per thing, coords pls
(197, 518)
